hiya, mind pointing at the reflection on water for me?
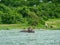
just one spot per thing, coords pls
(40, 37)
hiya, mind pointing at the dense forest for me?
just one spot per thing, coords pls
(29, 12)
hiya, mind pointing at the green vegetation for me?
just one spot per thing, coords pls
(55, 23)
(28, 12)
(12, 26)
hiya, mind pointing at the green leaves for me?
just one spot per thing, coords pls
(30, 12)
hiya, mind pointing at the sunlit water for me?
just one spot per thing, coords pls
(40, 37)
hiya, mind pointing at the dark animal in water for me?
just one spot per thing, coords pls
(27, 31)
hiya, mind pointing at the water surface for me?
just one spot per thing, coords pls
(40, 37)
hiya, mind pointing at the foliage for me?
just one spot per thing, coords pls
(29, 12)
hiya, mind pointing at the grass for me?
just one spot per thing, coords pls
(55, 23)
(14, 26)
(17, 26)
(11, 26)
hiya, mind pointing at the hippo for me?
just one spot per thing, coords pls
(29, 30)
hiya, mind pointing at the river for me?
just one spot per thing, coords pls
(40, 37)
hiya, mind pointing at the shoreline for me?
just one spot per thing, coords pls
(18, 26)
(26, 29)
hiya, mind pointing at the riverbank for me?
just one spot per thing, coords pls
(53, 24)
(11, 26)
